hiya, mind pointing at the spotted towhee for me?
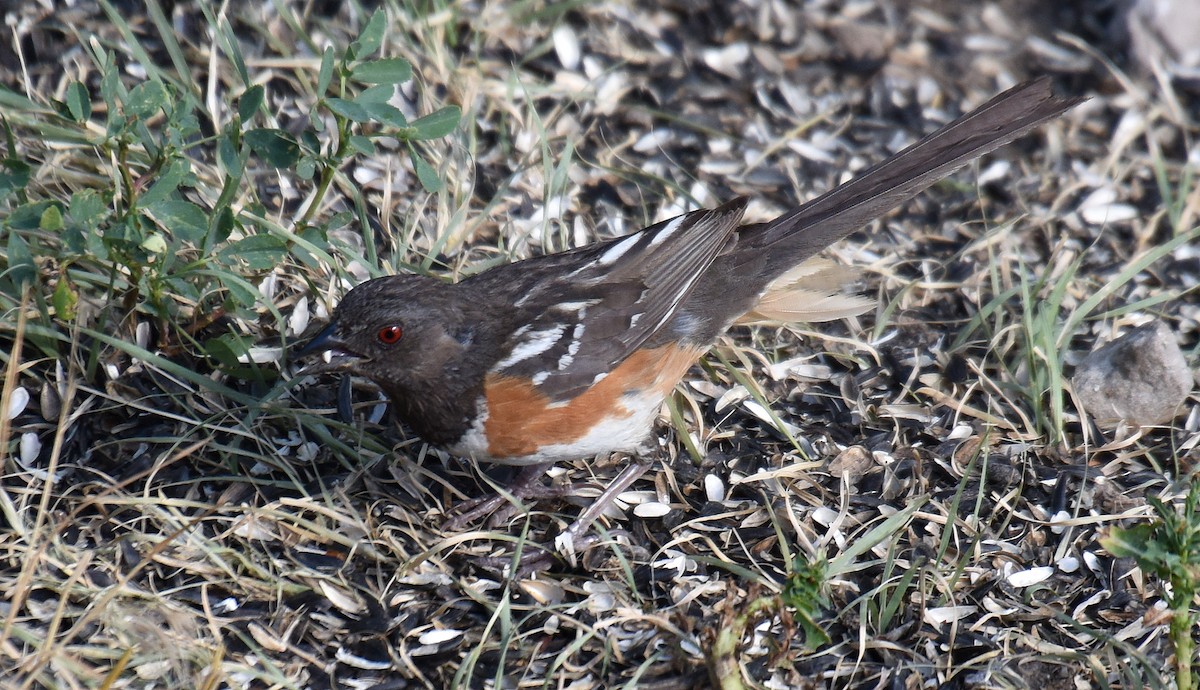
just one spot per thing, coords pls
(570, 355)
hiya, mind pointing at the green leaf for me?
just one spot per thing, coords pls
(276, 147)
(314, 236)
(339, 220)
(74, 240)
(362, 144)
(226, 349)
(95, 246)
(309, 141)
(155, 243)
(183, 124)
(27, 216)
(381, 93)
(325, 76)
(306, 168)
(387, 114)
(87, 208)
(437, 124)
(14, 174)
(111, 87)
(22, 269)
(168, 181)
(64, 299)
(241, 292)
(802, 589)
(230, 156)
(146, 99)
(126, 233)
(389, 71)
(814, 635)
(79, 102)
(52, 219)
(224, 225)
(1135, 542)
(183, 219)
(425, 173)
(250, 102)
(348, 109)
(316, 123)
(183, 288)
(258, 252)
(370, 39)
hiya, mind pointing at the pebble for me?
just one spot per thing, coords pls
(1141, 378)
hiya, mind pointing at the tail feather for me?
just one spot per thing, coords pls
(795, 236)
(810, 292)
(753, 270)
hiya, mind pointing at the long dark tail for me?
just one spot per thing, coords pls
(733, 284)
(794, 236)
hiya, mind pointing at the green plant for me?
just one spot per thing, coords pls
(801, 600)
(140, 218)
(144, 233)
(1169, 549)
(1031, 348)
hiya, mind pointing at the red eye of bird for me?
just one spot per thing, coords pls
(390, 335)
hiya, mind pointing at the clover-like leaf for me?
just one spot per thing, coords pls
(79, 102)
(275, 146)
(387, 71)
(437, 124)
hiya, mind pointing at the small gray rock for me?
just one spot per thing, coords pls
(1141, 378)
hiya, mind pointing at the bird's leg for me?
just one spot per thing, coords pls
(573, 539)
(527, 485)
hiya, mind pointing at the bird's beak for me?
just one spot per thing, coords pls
(334, 355)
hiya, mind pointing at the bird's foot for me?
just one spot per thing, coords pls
(500, 508)
(571, 545)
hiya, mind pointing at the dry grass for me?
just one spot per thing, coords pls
(187, 522)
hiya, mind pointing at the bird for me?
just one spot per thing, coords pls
(570, 355)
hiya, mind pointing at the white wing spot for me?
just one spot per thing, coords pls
(566, 359)
(667, 231)
(579, 308)
(534, 345)
(618, 250)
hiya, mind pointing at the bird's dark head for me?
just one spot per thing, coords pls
(400, 331)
